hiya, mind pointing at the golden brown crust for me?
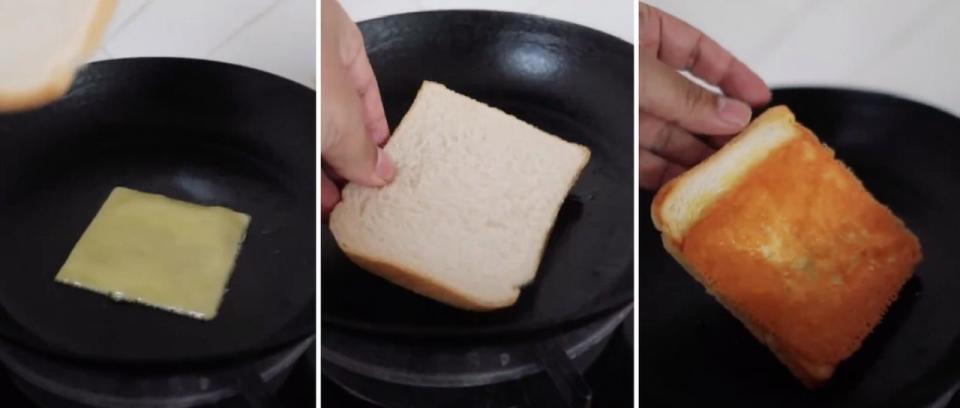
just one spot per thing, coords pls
(423, 285)
(62, 77)
(773, 115)
(802, 254)
(812, 377)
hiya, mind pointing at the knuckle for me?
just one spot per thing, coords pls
(648, 28)
(695, 98)
(646, 65)
(663, 138)
(645, 13)
(351, 43)
(329, 134)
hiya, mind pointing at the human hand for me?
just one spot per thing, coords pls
(673, 109)
(352, 122)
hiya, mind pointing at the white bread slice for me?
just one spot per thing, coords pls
(467, 217)
(42, 42)
(789, 241)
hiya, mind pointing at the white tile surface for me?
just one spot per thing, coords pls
(282, 41)
(610, 16)
(366, 9)
(184, 27)
(277, 36)
(101, 54)
(509, 5)
(125, 12)
(614, 17)
(905, 48)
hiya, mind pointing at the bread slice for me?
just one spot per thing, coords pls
(466, 219)
(789, 241)
(42, 42)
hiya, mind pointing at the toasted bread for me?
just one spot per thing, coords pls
(787, 238)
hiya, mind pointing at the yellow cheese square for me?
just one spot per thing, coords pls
(154, 250)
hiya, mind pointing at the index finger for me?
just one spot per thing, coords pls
(365, 82)
(683, 47)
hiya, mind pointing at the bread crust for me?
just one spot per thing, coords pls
(62, 76)
(785, 249)
(423, 285)
(772, 115)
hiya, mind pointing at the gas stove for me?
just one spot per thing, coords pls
(609, 378)
(297, 390)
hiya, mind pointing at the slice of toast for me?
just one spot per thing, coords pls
(42, 42)
(467, 217)
(788, 239)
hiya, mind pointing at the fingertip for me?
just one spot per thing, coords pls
(329, 195)
(733, 113)
(385, 168)
(380, 132)
(744, 84)
(759, 97)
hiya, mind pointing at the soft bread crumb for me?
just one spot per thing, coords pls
(466, 219)
(43, 43)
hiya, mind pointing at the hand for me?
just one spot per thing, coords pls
(673, 109)
(352, 122)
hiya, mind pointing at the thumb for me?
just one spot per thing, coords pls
(344, 143)
(665, 93)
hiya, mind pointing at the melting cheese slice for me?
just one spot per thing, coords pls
(161, 252)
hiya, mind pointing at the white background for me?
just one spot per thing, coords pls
(277, 36)
(904, 47)
(909, 48)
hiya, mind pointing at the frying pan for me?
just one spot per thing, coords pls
(694, 353)
(568, 80)
(199, 131)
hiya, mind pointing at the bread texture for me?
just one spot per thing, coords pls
(787, 238)
(467, 217)
(43, 43)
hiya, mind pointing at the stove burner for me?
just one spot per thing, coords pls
(296, 388)
(608, 377)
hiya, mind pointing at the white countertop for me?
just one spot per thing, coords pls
(610, 16)
(277, 36)
(906, 48)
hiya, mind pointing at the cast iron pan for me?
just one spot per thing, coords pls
(568, 80)
(694, 353)
(204, 132)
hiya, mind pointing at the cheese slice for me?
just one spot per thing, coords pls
(161, 252)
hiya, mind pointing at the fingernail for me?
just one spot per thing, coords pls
(385, 169)
(733, 112)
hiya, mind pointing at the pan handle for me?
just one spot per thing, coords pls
(255, 392)
(567, 380)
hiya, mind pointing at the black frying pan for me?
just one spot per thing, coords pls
(204, 132)
(694, 353)
(568, 80)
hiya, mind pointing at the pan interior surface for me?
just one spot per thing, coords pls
(202, 132)
(905, 154)
(565, 79)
